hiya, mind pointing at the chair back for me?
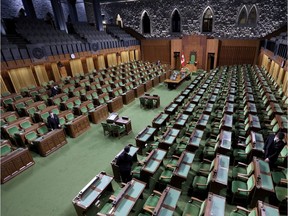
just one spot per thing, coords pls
(251, 183)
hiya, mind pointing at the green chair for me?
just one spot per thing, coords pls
(166, 175)
(282, 158)
(31, 112)
(242, 155)
(11, 118)
(282, 197)
(12, 131)
(242, 169)
(26, 124)
(152, 201)
(4, 94)
(106, 128)
(41, 107)
(142, 102)
(149, 103)
(279, 175)
(44, 116)
(62, 121)
(90, 107)
(30, 137)
(84, 110)
(42, 130)
(69, 117)
(70, 105)
(242, 190)
(194, 207)
(200, 184)
(77, 102)
(241, 211)
(117, 130)
(205, 167)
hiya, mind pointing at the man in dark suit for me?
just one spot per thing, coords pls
(124, 161)
(273, 146)
(54, 90)
(53, 121)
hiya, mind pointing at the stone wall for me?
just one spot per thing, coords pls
(10, 8)
(42, 8)
(271, 16)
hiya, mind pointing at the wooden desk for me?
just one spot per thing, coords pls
(194, 140)
(99, 114)
(254, 123)
(215, 205)
(212, 99)
(126, 122)
(153, 98)
(225, 142)
(139, 90)
(78, 126)
(220, 173)
(265, 209)
(91, 193)
(160, 120)
(230, 98)
(208, 108)
(250, 108)
(229, 108)
(115, 104)
(15, 162)
(195, 99)
(145, 136)
(168, 138)
(50, 142)
(147, 85)
(188, 108)
(248, 98)
(115, 168)
(171, 108)
(186, 92)
(202, 122)
(168, 202)
(179, 99)
(182, 169)
(174, 83)
(227, 122)
(155, 81)
(128, 97)
(152, 163)
(264, 184)
(180, 121)
(257, 143)
(126, 198)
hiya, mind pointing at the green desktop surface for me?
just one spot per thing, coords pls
(264, 166)
(151, 166)
(266, 181)
(270, 211)
(124, 207)
(144, 137)
(5, 149)
(188, 157)
(183, 170)
(159, 154)
(218, 206)
(172, 197)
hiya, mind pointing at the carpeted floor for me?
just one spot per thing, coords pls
(48, 187)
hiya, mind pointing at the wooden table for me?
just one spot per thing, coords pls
(215, 205)
(194, 140)
(77, 126)
(168, 138)
(174, 83)
(171, 108)
(160, 120)
(144, 136)
(155, 98)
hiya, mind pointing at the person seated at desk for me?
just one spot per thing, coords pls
(54, 90)
(125, 161)
(53, 121)
(273, 146)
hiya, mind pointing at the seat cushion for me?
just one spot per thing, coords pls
(281, 193)
(239, 184)
(240, 170)
(200, 180)
(152, 200)
(191, 209)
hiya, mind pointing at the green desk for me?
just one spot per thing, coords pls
(182, 169)
(220, 177)
(152, 163)
(194, 140)
(168, 138)
(144, 137)
(264, 184)
(215, 205)
(265, 209)
(127, 198)
(167, 202)
(225, 142)
(160, 120)
(92, 192)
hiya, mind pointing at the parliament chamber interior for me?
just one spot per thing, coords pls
(194, 88)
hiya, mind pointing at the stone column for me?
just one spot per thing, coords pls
(73, 11)
(97, 14)
(29, 8)
(58, 14)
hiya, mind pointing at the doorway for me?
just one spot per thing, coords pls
(211, 59)
(177, 61)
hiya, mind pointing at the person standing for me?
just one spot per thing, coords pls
(273, 146)
(53, 121)
(54, 90)
(124, 161)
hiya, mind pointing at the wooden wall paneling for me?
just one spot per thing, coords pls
(271, 69)
(76, 66)
(275, 71)
(101, 62)
(124, 57)
(212, 47)
(41, 74)
(285, 83)
(3, 85)
(84, 65)
(22, 77)
(137, 55)
(265, 62)
(56, 72)
(280, 78)
(132, 55)
(154, 50)
(90, 64)
(176, 46)
(111, 59)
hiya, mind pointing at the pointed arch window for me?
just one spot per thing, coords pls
(176, 21)
(207, 23)
(146, 24)
(252, 17)
(242, 18)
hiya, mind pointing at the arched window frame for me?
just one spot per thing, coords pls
(257, 15)
(141, 21)
(202, 17)
(171, 16)
(238, 16)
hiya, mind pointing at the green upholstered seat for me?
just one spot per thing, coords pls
(70, 105)
(55, 111)
(101, 100)
(242, 189)
(106, 208)
(210, 151)
(11, 131)
(136, 172)
(69, 117)
(31, 136)
(44, 97)
(77, 102)
(17, 97)
(42, 130)
(18, 106)
(278, 175)
(29, 102)
(62, 121)
(11, 118)
(166, 175)
(117, 130)
(89, 97)
(142, 102)
(57, 101)
(84, 110)
(106, 98)
(4, 94)
(44, 116)
(41, 106)
(106, 128)
(281, 193)
(7, 101)
(2, 122)
(281, 160)
(195, 207)
(94, 95)
(31, 111)
(242, 169)
(242, 155)
(206, 166)
(152, 201)
(25, 124)
(64, 98)
(90, 106)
